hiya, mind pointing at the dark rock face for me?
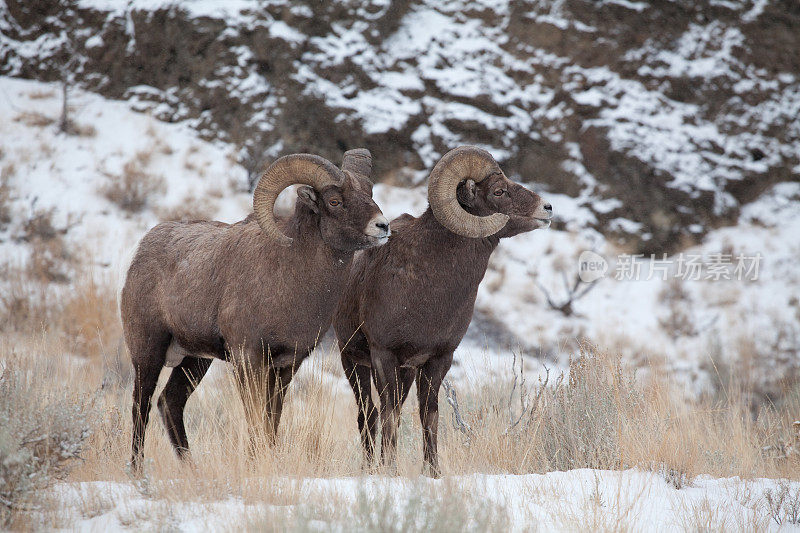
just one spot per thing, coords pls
(680, 111)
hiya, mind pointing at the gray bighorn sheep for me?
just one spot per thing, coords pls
(257, 293)
(408, 304)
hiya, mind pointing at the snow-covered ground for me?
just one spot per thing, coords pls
(663, 316)
(578, 500)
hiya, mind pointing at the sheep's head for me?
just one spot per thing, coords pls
(349, 219)
(471, 196)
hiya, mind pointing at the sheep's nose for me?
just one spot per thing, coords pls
(548, 208)
(378, 227)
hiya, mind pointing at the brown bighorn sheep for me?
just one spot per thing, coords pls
(257, 293)
(408, 304)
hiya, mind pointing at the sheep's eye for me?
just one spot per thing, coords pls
(499, 192)
(334, 203)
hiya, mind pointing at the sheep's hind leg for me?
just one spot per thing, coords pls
(359, 378)
(147, 363)
(279, 383)
(429, 379)
(181, 384)
(393, 383)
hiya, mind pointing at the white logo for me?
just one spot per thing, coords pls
(591, 266)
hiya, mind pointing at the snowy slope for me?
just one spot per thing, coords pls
(49, 171)
(658, 119)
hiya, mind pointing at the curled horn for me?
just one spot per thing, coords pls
(457, 165)
(298, 168)
(358, 161)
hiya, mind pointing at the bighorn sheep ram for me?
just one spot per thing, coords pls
(408, 304)
(257, 293)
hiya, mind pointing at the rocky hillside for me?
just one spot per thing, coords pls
(657, 120)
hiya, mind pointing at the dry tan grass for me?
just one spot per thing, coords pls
(318, 435)
(89, 317)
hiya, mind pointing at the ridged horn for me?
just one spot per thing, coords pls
(358, 161)
(457, 165)
(306, 169)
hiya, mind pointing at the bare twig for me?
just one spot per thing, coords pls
(458, 421)
(542, 386)
(523, 394)
(528, 408)
(574, 293)
(33, 440)
(17, 506)
(550, 302)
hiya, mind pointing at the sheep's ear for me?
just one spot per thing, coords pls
(466, 193)
(308, 196)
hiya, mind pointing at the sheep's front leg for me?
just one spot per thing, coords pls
(429, 379)
(262, 390)
(393, 384)
(359, 378)
(279, 383)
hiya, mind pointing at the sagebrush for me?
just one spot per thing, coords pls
(41, 436)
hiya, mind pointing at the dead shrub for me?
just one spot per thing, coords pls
(190, 165)
(165, 148)
(578, 424)
(51, 260)
(6, 173)
(41, 94)
(23, 303)
(191, 208)
(34, 119)
(42, 432)
(678, 321)
(41, 227)
(83, 130)
(783, 504)
(707, 517)
(133, 190)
